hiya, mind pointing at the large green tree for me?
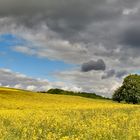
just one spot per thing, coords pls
(129, 91)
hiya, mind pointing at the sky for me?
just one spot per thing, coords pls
(69, 44)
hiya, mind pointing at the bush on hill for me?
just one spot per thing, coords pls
(82, 94)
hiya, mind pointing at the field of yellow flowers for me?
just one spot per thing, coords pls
(35, 116)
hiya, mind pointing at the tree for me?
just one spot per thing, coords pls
(129, 91)
(118, 95)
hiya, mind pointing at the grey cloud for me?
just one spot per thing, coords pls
(70, 19)
(93, 65)
(131, 36)
(121, 73)
(112, 72)
(90, 81)
(57, 50)
(65, 17)
(74, 9)
(13, 79)
(108, 74)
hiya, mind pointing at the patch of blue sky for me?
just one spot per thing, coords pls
(11, 40)
(26, 64)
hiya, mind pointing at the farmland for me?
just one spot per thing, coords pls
(28, 115)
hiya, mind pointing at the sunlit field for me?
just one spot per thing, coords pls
(35, 116)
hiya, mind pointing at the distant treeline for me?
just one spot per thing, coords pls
(65, 92)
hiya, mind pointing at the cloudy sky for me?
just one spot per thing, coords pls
(80, 45)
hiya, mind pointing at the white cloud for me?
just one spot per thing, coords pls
(130, 11)
(18, 86)
(8, 78)
(90, 81)
(56, 50)
(32, 88)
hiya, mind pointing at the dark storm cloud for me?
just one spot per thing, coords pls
(58, 8)
(74, 9)
(93, 65)
(63, 16)
(68, 18)
(131, 36)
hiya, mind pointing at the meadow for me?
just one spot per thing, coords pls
(36, 116)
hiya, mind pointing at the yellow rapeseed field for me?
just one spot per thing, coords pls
(35, 116)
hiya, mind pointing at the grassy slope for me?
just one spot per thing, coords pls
(20, 99)
(26, 115)
(82, 94)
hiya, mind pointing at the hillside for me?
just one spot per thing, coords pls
(82, 94)
(28, 115)
(21, 99)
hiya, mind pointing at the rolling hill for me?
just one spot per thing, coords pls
(28, 115)
(11, 98)
(82, 94)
